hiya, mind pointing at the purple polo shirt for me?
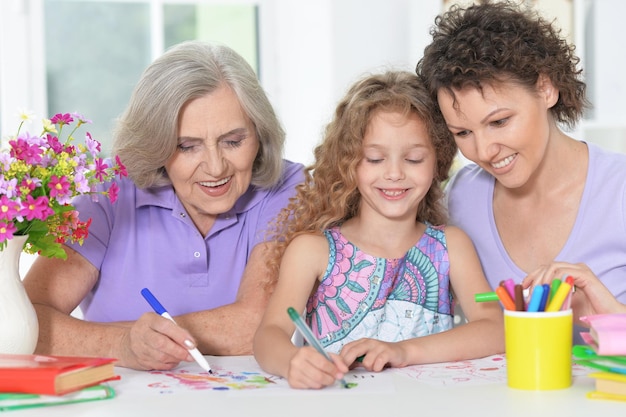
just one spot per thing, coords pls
(597, 239)
(146, 239)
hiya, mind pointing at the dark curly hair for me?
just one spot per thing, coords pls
(329, 196)
(501, 41)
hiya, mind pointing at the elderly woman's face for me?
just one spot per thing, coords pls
(212, 166)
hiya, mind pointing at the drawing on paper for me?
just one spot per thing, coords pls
(221, 379)
(235, 375)
(489, 370)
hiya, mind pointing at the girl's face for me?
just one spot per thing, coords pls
(212, 166)
(397, 168)
(505, 129)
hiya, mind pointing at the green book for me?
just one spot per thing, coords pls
(17, 401)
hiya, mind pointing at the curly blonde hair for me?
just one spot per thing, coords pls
(329, 195)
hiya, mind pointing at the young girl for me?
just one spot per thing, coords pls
(366, 252)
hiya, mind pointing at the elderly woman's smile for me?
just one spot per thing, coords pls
(217, 146)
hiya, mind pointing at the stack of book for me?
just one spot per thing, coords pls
(39, 380)
(606, 353)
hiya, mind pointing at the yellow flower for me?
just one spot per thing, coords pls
(48, 127)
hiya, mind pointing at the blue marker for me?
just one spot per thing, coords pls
(544, 297)
(159, 309)
(308, 335)
(535, 298)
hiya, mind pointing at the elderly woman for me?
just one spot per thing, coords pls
(203, 150)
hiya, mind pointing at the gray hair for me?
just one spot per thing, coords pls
(146, 135)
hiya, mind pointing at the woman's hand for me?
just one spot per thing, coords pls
(590, 297)
(154, 342)
(310, 369)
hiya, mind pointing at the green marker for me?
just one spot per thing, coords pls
(308, 335)
(556, 283)
(486, 296)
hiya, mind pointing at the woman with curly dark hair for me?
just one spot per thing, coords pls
(537, 203)
(367, 253)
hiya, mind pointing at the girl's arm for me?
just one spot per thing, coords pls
(483, 335)
(304, 261)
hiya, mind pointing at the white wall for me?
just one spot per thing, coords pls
(603, 42)
(313, 50)
(22, 69)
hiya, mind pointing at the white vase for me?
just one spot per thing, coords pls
(19, 328)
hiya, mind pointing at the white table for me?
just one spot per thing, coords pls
(403, 396)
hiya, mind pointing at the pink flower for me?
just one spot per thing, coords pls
(101, 167)
(54, 144)
(6, 231)
(22, 150)
(8, 187)
(113, 192)
(8, 208)
(5, 161)
(58, 186)
(81, 119)
(81, 183)
(62, 119)
(36, 208)
(119, 168)
(92, 145)
(28, 184)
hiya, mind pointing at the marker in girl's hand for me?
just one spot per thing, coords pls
(310, 337)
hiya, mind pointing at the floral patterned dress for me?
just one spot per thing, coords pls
(386, 299)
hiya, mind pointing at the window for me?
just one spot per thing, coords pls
(96, 50)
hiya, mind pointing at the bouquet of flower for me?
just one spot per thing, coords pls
(39, 176)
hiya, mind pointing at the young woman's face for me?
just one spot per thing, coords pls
(505, 128)
(397, 168)
(212, 166)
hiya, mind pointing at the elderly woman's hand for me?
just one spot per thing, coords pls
(154, 342)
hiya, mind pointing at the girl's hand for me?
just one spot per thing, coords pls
(310, 369)
(375, 354)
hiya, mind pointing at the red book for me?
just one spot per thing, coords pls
(53, 375)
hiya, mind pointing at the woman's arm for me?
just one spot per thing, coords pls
(56, 287)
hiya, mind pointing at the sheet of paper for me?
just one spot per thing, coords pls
(235, 375)
(489, 370)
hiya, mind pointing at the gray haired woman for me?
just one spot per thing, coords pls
(203, 150)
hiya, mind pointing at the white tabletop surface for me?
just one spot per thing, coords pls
(397, 393)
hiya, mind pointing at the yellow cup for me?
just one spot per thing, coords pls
(538, 349)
